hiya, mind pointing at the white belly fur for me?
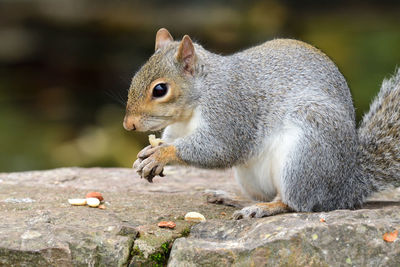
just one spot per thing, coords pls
(181, 129)
(261, 177)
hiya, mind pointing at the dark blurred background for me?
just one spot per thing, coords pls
(66, 65)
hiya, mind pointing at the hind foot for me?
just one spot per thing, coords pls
(260, 210)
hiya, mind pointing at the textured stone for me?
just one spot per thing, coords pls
(346, 238)
(38, 227)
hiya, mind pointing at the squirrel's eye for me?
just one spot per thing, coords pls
(160, 90)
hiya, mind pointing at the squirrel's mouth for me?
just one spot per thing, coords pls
(157, 123)
(146, 123)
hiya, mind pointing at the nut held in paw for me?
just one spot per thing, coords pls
(194, 217)
(155, 141)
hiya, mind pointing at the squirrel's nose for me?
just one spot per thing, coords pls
(128, 124)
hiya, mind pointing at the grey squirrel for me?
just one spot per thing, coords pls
(280, 113)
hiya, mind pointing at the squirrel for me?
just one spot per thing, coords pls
(280, 113)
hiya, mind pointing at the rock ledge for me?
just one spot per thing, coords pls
(39, 228)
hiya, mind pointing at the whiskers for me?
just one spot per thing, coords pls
(155, 120)
(160, 117)
(118, 96)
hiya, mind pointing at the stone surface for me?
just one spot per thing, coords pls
(39, 228)
(346, 238)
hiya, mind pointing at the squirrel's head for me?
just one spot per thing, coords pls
(160, 93)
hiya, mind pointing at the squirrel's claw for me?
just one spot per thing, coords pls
(260, 210)
(136, 163)
(148, 168)
(146, 152)
(249, 212)
(151, 160)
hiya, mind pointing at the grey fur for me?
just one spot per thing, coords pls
(245, 97)
(379, 135)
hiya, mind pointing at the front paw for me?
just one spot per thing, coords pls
(139, 170)
(146, 152)
(152, 160)
(149, 167)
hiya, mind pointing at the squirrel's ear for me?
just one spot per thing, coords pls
(186, 54)
(163, 37)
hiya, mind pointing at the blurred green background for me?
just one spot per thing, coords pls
(66, 65)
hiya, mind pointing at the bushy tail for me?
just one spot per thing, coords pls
(379, 135)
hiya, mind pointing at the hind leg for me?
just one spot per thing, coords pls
(259, 187)
(263, 178)
(262, 209)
